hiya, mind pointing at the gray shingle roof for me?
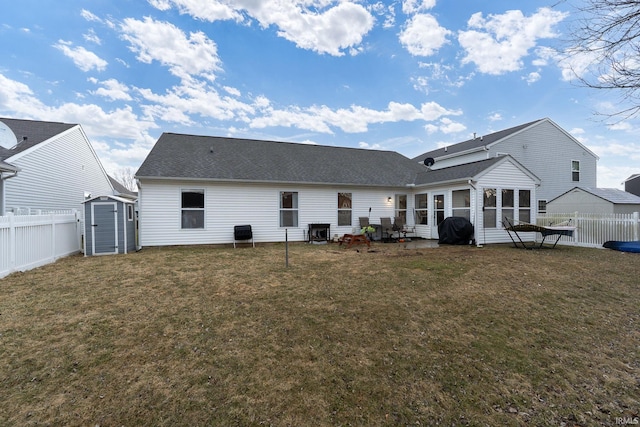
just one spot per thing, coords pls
(181, 156)
(456, 173)
(475, 143)
(612, 195)
(35, 132)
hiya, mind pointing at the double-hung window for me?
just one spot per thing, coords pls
(575, 170)
(344, 208)
(192, 207)
(461, 203)
(524, 205)
(508, 204)
(489, 207)
(288, 209)
(422, 213)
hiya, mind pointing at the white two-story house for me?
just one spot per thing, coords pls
(559, 160)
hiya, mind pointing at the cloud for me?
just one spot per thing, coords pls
(413, 6)
(496, 44)
(318, 25)
(355, 119)
(113, 90)
(423, 36)
(82, 58)
(185, 56)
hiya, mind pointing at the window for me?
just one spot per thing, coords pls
(524, 205)
(461, 203)
(542, 206)
(129, 212)
(288, 209)
(401, 207)
(192, 209)
(508, 204)
(344, 208)
(489, 204)
(422, 214)
(575, 170)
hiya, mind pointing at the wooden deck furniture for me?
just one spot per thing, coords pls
(355, 239)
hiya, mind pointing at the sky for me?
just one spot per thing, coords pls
(406, 75)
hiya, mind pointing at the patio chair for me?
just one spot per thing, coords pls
(243, 232)
(364, 222)
(398, 225)
(387, 229)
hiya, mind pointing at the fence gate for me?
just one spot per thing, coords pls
(104, 228)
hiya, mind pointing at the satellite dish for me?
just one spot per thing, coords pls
(428, 162)
(7, 137)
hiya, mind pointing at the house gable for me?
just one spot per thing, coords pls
(58, 167)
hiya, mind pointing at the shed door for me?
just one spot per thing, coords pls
(104, 228)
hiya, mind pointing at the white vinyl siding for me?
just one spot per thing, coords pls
(546, 151)
(230, 204)
(56, 174)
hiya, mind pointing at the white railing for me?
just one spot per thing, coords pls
(29, 241)
(592, 230)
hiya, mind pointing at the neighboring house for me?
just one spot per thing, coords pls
(195, 189)
(47, 166)
(122, 191)
(595, 200)
(632, 184)
(542, 147)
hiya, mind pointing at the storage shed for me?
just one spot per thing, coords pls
(109, 226)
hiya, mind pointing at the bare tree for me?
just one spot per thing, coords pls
(607, 35)
(125, 176)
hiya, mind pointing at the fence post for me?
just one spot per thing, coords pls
(636, 225)
(12, 242)
(575, 224)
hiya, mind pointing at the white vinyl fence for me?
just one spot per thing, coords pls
(595, 229)
(29, 241)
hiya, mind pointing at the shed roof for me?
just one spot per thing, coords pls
(34, 131)
(178, 156)
(613, 195)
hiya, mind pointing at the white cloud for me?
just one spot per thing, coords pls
(89, 16)
(92, 37)
(498, 43)
(387, 11)
(318, 25)
(532, 77)
(113, 90)
(495, 117)
(164, 42)
(423, 36)
(351, 120)
(413, 6)
(82, 58)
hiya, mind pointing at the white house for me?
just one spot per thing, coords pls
(542, 147)
(195, 189)
(632, 184)
(595, 201)
(47, 166)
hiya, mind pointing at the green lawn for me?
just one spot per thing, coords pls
(392, 336)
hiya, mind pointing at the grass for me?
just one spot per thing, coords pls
(394, 336)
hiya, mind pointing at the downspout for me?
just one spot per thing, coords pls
(3, 177)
